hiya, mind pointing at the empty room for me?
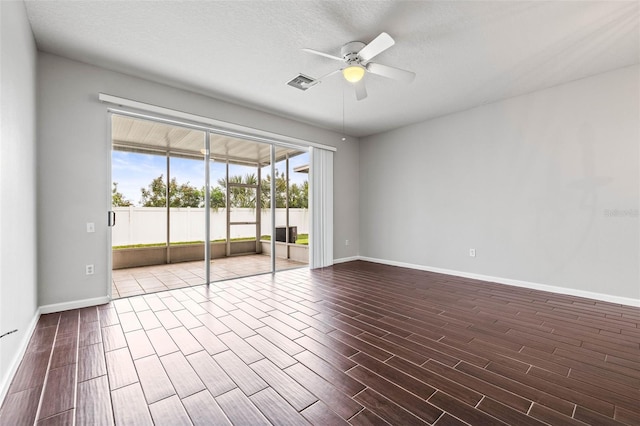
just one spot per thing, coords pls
(319, 212)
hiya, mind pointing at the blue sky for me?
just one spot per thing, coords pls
(133, 171)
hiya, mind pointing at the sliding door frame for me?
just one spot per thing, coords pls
(209, 130)
(207, 207)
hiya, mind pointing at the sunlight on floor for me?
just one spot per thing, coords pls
(151, 279)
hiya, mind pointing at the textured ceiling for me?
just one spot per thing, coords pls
(464, 53)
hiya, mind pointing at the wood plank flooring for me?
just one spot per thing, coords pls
(357, 343)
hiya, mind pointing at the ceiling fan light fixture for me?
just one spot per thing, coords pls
(356, 56)
(353, 73)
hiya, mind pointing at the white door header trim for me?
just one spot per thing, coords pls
(216, 126)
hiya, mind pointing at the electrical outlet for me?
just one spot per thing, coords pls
(91, 227)
(472, 252)
(346, 242)
(89, 269)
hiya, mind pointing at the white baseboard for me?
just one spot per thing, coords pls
(346, 259)
(17, 357)
(508, 281)
(75, 304)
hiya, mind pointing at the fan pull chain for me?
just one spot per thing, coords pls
(344, 138)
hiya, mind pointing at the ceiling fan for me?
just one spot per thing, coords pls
(356, 57)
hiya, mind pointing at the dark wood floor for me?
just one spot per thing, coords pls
(356, 343)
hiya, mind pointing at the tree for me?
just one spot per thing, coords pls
(183, 195)
(156, 194)
(187, 196)
(218, 198)
(117, 198)
(299, 196)
(281, 191)
(241, 197)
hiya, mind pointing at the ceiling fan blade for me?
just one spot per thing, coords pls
(375, 47)
(361, 90)
(326, 55)
(391, 72)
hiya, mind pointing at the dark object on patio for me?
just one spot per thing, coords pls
(281, 234)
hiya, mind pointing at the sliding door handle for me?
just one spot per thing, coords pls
(111, 218)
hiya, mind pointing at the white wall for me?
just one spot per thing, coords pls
(18, 276)
(74, 183)
(530, 182)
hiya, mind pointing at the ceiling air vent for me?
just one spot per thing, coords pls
(301, 81)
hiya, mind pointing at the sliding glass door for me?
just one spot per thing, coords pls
(292, 208)
(193, 206)
(158, 202)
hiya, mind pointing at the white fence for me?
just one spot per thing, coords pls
(146, 225)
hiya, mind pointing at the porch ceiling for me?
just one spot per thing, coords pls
(144, 135)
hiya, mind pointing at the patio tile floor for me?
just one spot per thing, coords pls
(151, 279)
